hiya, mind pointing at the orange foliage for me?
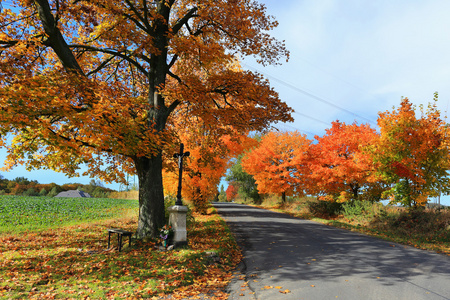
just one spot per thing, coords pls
(277, 163)
(94, 83)
(231, 192)
(210, 153)
(412, 153)
(338, 162)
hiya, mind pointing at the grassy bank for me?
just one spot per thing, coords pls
(72, 262)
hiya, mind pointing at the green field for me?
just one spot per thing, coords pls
(18, 213)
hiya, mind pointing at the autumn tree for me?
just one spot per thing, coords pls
(232, 192)
(95, 82)
(412, 153)
(276, 163)
(340, 168)
(210, 153)
(244, 182)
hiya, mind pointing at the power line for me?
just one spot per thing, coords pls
(300, 130)
(330, 74)
(312, 118)
(310, 95)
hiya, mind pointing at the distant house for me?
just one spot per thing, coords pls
(74, 194)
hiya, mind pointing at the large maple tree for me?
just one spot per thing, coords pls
(94, 83)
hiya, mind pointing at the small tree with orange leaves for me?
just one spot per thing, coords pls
(412, 153)
(339, 167)
(210, 153)
(277, 163)
(232, 192)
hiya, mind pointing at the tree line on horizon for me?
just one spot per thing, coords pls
(21, 186)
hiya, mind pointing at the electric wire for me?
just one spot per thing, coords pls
(312, 118)
(297, 129)
(291, 86)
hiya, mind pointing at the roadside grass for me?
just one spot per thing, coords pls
(424, 228)
(72, 262)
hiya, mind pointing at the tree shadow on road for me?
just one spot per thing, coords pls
(295, 249)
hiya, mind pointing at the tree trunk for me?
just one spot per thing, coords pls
(355, 190)
(151, 196)
(283, 197)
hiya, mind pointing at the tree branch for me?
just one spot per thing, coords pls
(55, 39)
(115, 54)
(179, 24)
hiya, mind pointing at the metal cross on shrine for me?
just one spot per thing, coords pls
(180, 167)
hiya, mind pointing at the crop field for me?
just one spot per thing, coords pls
(18, 214)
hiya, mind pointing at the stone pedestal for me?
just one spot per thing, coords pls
(177, 219)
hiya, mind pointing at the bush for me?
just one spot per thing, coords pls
(43, 192)
(361, 210)
(322, 208)
(423, 220)
(222, 198)
(54, 191)
(30, 192)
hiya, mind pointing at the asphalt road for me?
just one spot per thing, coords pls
(291, 258)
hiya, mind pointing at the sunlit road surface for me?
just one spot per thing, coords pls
(291, 258)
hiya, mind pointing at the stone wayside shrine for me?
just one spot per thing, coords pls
(178, 212)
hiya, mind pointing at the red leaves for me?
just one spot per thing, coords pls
(231, 192)
(401, 171)
(339, 161)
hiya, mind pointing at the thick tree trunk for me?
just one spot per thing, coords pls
(151, 196)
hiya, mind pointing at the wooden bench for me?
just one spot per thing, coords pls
(120, 233)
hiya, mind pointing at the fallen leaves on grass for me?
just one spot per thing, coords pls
(72, 262)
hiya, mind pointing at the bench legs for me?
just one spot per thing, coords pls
(119, 238)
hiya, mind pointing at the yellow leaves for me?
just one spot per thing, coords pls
(268, 287)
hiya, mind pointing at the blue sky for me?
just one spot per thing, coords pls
(350, 60)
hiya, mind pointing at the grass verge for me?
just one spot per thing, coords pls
(72, 263)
